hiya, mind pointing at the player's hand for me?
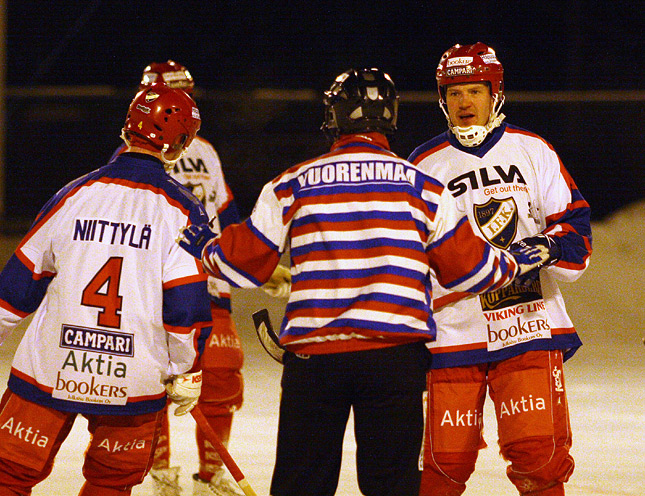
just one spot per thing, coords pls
(279, 284)
(184, 391)
(533, 253)
(193, 239)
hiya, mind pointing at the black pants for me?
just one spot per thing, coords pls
(385, 389)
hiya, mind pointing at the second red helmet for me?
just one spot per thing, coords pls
(170, 73)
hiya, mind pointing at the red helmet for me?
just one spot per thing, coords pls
(470, 64)
(171, 73)
(161, 118)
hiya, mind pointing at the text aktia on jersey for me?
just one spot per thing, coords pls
(103, 366)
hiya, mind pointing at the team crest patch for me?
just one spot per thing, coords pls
(497, 220)
(198, 190)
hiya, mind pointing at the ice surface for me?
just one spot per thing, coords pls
(605, 385)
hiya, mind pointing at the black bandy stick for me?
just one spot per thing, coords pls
(267, 336)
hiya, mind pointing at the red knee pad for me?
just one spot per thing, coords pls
(455, 402)
(222, 391)
(446, 474)
(121, 450)
(537, 465)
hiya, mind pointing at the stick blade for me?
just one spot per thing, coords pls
(267, 336)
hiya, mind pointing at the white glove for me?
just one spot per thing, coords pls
(279, 284)
(184, 391)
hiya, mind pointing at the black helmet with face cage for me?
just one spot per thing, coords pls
(359, 101)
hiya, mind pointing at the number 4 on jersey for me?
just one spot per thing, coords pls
(103, 292)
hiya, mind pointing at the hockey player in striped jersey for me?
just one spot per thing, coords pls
(120, 312)
(512, 342)
(200, 170)
(363, 228)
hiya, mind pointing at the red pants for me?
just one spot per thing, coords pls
(532, 424)
(118, 457)
(222, 393)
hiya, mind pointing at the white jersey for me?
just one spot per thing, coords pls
(511, 187)
(119, 307)
(200, 170)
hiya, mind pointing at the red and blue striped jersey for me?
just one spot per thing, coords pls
(363, 229)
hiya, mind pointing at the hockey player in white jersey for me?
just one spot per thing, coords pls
(512, 342)
(120, 314)
(363, 228)
(200, 170)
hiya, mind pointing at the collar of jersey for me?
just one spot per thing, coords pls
(374, 141)
(479, 151)
(142, 156)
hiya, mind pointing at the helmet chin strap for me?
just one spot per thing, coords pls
(169, 165)
(474, 135)
(124, 137)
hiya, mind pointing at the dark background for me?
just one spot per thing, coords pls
(587, 58)
(544, 45)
